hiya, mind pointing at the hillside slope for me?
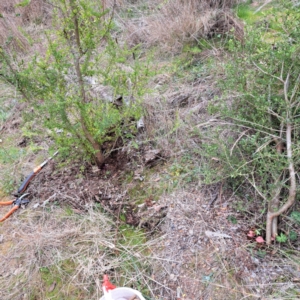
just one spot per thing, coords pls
(159, 216)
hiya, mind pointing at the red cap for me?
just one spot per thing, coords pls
(107, 285)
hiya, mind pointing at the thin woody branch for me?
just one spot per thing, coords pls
(292, 188)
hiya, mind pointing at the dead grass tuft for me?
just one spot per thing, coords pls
(225, 22)
(176, 23)
(15, 19)
(222, 4)
(37, 11)
(57, 253)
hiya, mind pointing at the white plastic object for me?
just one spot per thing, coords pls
(121, 293)
(140, 123)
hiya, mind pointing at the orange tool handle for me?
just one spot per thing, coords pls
(7, 202)
(16, 207)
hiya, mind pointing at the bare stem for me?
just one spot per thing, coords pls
(292, 189)
(75, 20)
(99, 157)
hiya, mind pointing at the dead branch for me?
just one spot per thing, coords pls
(262, 6)
(238, 139)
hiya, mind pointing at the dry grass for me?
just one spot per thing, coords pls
(176, 23)
(179, 103)
(55, 247)
(57, 253)
(157, 3)
(202, 267)
(15, 20)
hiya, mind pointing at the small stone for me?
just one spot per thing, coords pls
(172, 277)
(151, 155)
(140, 123)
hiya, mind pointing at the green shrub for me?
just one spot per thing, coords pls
(261, 104)
(65, 85)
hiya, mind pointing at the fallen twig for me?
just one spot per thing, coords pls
(48, 200)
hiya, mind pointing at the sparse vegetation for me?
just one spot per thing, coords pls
(200, 201)
(263, 149)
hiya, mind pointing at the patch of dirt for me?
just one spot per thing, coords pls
(202, 255)
(81, 186)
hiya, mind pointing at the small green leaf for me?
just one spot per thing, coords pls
(232, 219)
(135, 145)
(282, 238)
(261, 253)
(257, 231)
(23, 3)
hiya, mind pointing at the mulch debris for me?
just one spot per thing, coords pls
(203, 255)
(83, 185)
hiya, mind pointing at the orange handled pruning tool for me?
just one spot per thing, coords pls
(17, 203)
(20, 201)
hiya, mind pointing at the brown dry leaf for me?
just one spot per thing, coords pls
(149, 201)
(52, 287)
